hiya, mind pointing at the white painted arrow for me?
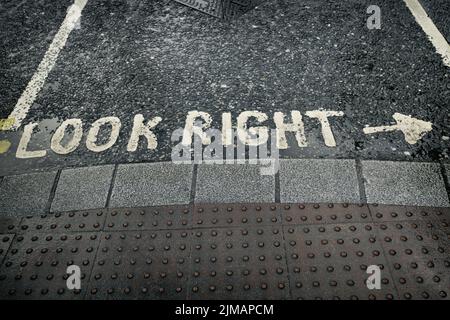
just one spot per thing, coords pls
(413, 129)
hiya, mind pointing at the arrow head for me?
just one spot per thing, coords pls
(413, 129)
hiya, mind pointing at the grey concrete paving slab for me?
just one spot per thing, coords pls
(233, 183)
(26, 194)
(402, 183)
(323, 180)
(447, 173)
(152, 184)
(82, 188)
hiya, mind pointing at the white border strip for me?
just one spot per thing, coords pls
(436, 38)
(48, 62)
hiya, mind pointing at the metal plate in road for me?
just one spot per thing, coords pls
(226, 9)
(211, 7)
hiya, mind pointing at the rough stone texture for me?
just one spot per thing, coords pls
(233, 183)
(26, 194)
(83, 188)
(404, 183)
(151, 184)
(318, 181)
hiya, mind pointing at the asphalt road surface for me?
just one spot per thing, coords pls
(160, 58)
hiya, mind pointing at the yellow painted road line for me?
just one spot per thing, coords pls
(6, 124)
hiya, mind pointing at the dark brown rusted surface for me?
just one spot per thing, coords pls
(229, 251)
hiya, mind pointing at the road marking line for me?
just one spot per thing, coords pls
(48, 62)
(412, 128)
(436, 38)
(4, 146)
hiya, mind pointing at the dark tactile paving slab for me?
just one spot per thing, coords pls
(330, 262)
(237, 215)
(381, 213)
(76, 221)
(419, 257)
(154, 218)
(238, 263)
(5, 242)
(36, 265)
(144, 265)
(239, 251)
(9, 224)
(293, 214)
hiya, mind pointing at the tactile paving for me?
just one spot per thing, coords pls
(235, 215)
(5, 242)
(238, 263)
(9, 224)
(229, 251)
(419, 257)
(144, 265)
(77, 221)
(384, 213)
(36, 265)
(330, 262)
(156, 218)
(324, 213)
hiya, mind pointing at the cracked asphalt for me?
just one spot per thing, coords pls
(161, 58)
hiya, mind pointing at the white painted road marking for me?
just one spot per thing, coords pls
(322, 116)
(48, 62)
(413, 129)
(74, 13)
(436, 38)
